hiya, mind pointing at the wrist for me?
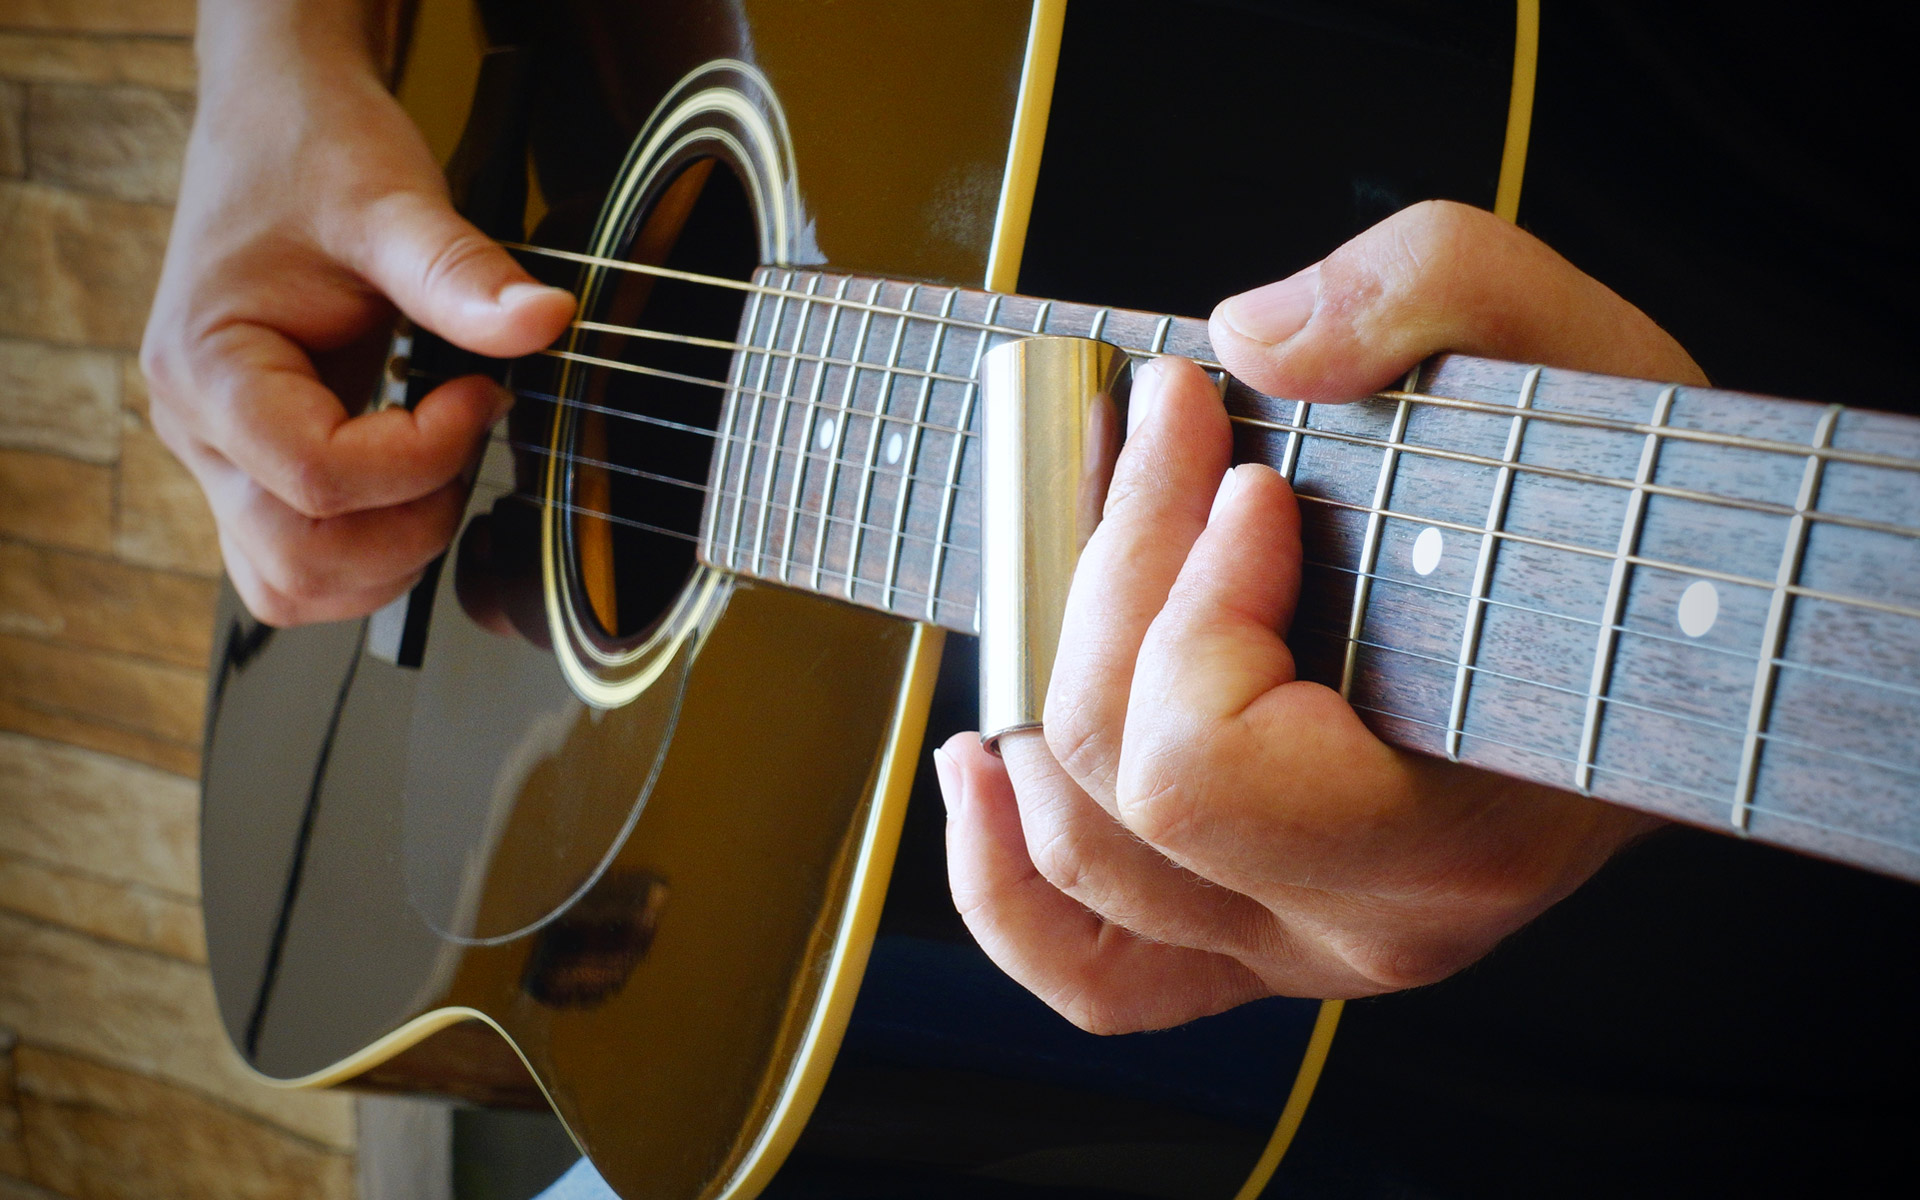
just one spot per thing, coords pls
(244, 44)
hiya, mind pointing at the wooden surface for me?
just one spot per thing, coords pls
(1565, 516)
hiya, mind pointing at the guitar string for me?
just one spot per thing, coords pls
(1797, 451)
(1670, 432)
(1340, 638)
(919, 598)
(773, 506)
(1742, 658)
(1708, 723)
(786, 450)
(1718, 803)
(1739, 656)
(878, 417)
(1696, 572)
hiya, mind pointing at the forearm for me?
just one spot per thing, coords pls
(241, 43)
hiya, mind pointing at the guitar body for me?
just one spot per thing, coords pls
(679, 861)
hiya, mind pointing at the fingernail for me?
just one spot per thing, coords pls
(1145, 392)
(1228, 486)
(515, 294)
(949, 774)
(1276, 312)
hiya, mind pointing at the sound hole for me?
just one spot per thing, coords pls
(642, 451)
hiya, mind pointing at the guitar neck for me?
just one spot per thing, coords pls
(1699, 603)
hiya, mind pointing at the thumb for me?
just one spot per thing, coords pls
(449, 277)
(1437, 276)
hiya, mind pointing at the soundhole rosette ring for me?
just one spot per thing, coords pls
(725, 110)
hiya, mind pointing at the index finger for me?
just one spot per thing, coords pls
(1177, 448)
(255, 398)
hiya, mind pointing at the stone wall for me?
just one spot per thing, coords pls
(115, 1080)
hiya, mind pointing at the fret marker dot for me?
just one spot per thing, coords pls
(826, 433)
(896, 445)
(1426, 550)
(1699, 608)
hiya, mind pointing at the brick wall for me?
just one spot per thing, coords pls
(115, 1080)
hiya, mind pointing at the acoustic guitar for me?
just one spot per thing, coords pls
(623, 798)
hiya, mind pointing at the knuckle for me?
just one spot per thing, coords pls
(1155, 800)
(1077, 738)
(313, 490)
(1062, 861)
(295, 578)
(266, 604)
(1092, 1011)
(1394, 964)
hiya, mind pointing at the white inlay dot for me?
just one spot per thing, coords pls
(895, 446)
(1427, 549)
(1699, 608)
(826, 432)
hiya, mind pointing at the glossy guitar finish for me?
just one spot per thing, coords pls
(667, 904)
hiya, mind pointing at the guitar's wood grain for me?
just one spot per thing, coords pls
(1790, 710)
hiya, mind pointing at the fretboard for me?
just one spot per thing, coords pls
(1695, 602)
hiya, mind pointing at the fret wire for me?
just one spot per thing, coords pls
(1792, 552)
(753, 427)
(1774, 813)
(1673, 433)
(1160, 332)
(1483, 568)
(1099, 323)
(944, 526)
(1290, 458)
(839, 438)
(785, 564)
(876, 431)
(1370, 548)
(910, 460)
(1616, 593)
(730, 411)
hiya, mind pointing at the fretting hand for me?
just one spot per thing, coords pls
(311, 209)
(1196, 828)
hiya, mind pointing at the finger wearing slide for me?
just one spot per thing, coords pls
(266, 412)
(1177, 446)
(1099, 976)
(1082, 851)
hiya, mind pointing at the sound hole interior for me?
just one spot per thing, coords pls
(640, 472)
